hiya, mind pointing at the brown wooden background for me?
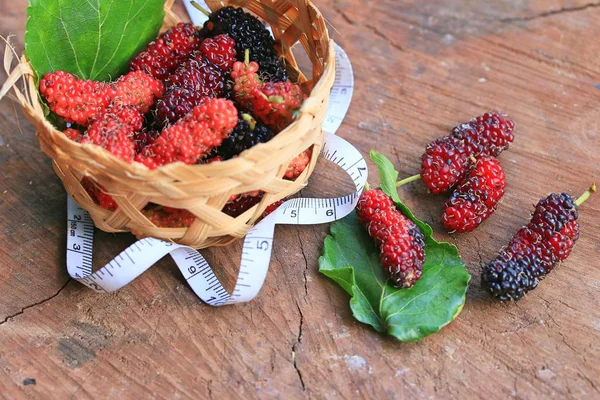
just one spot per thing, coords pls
(421, 67)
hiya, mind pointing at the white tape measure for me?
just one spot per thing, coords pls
(258, 244)
(256, 252)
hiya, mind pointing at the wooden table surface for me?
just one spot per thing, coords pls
(421, 67)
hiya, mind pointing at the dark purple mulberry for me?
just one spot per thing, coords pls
(249, 34)
(536, 248)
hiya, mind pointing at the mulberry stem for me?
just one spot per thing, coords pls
(200, 8)
(275, 99)
(586, 195)
(251, 121)
(408, 180)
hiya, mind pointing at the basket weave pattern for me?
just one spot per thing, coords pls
(201, 189)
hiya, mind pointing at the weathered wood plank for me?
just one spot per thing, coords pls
(421, 68)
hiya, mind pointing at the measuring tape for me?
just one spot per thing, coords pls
(258, 243)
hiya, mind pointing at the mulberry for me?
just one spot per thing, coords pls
(446, 159)
(536, 248)
(193, 136)
(277, 103)
(73, 134)
(167, 217)
(137, 89)
(249, 34)
(401, 243)
(176, 104)
(220, 50)
(166, 53)
(115, 130)
(246, 134)
(99, 195)
(76, 100)
(475, 197)
(298, 164)
(241, 204)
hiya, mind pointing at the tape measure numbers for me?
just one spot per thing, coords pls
(256, 251)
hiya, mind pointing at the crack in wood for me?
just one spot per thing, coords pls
(383, 36)
(209, 389)
(562, 10)
(38, 303)
(478, 251)
(342, 14)
(588, 380)
(305, 264)
(80, 385)
(295, 346)
(369, 27)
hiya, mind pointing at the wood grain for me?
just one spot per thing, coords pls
(421, 67)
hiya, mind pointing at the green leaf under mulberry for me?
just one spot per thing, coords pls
(351, 258)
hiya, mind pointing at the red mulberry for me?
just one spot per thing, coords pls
(137, 89)
(475, 197)
(401, 243)
(193, 136)
(246, 79)
(443, 165)
(277, 103)
(298, 164)
(446, 159)
(187, 87)
(73, 134)
(199, 76)
(176, 104)
(115, 130)
(166, 53)
(76, 100)
(99, 195)
(167, 217)
(220, 50)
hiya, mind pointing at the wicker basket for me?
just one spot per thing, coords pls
(201, 189)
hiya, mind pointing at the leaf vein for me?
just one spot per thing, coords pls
(412, 300)
(370, 305)
(99, 44)
(129, 19)
(62, 22)
(92, 5)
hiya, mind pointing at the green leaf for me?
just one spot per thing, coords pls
(93, 39)
(389, 176)
(351, 258)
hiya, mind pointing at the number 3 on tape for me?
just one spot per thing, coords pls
(258, 244)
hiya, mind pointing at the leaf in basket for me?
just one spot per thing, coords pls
(351, 258)
(93, 39)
